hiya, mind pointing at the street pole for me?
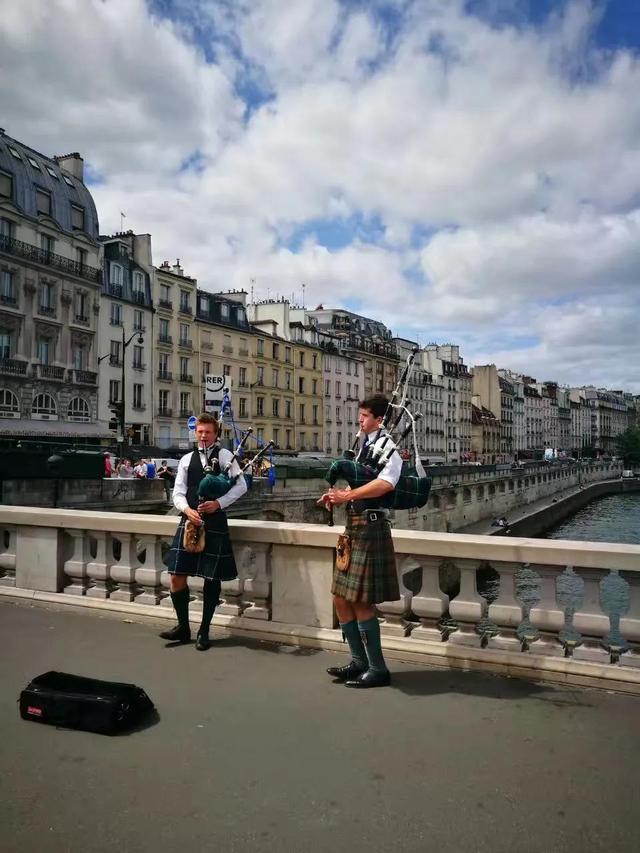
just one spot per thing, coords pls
(122, 413)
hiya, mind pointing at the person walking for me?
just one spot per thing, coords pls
(167, 476)
(215, 563)
(371, 575)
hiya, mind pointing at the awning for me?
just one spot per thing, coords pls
(24, 428)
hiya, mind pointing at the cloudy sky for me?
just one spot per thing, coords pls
(463, 171)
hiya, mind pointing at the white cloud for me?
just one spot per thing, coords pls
(517, 147)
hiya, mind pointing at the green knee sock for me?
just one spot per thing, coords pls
(352, 636)
(370, 632)
(210, 598)
(180, 602)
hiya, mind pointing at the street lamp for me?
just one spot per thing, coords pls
(118, 407)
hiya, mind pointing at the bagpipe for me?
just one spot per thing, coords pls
(412, 489)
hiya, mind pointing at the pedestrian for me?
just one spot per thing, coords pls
(140, 470)
(370, 576)
(215, 563)
(108, 467)
(167, 476)
(125, 470)
(151, 469)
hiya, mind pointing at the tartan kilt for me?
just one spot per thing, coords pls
(372, 575)
(215, 562)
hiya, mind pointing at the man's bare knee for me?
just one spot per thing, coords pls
(344, 609)
(177, 582)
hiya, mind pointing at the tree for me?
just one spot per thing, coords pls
(628, 446)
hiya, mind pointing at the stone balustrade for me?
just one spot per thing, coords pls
(546, 609)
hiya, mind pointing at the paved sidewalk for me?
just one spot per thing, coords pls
(255, 749)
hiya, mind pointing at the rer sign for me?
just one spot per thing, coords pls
(215, 390)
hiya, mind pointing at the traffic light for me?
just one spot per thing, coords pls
(117, 412)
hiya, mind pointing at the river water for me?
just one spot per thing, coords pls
(614, 518)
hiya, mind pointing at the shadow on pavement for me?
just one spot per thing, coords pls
(427, 682)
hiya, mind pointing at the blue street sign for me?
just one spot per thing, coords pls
(191, 423)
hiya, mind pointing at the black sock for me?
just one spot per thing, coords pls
(210, 598)
(180, 600)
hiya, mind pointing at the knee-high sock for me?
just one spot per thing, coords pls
(370, 632)
(210, 598)
(352, 636)
(180, 602)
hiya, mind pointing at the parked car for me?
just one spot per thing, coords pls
(628, 473)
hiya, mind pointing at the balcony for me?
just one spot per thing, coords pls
(82, 319)
(139, 407)
(139, 297)
(227, 349)
(8, 299)
(165, 339)
(114, 290)
(185, 309)
(115, 321)
(164, 412)
(49, 259)
(165, 303)
(115, 361)
(185, 343)
(166, 375)
(47, 310)
(139, 365)
(243, 352)
(51, 372)
(186, 377)
(13, 367)
(83, 377)
(186, 413)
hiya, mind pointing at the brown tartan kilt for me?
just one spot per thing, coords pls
(372, 575)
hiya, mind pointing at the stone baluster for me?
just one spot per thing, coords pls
(615, 602)
(431, 603)
(7, 556)
(75, 568)
(630, 624)
(165, 588)
(99, 568)
(231, 591)
(506, 612)
(256, 595)
(468, 607)
(123, 571)
(590, 619)
(148, 575)
(395, 613)
(546, 616)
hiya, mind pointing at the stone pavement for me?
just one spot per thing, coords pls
(254, 749)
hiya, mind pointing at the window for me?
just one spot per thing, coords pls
(44, 351)
(163, 401)
(114, 390)
(203, 303)
(67, 181)
(287, 355)
(138, 391)
(51, 172)
(44, 404)
(43, 202)
(115, 274)
(15, 153)
(240, 314)
(287, 381)
(276, 437)
(184, 366)
(260, 435)
(185, 402)
(338, 390)
(314, 387)
(301, 356)
(259, 405)
(114, 352)
(259, 375)
(138, 283)
(242, 410)
(79, 356)
(165, 293)
(6, 185)
(226, 370)
(206, 368)
(301, 411)
(314, 361)
(301, 385)
(77, 217)
(224, 310)
(348, 389)
(184, 300)
(338, 414)
(138, 353)
(275, 375)
(315, 414)
(164, 330)
(327, 387)
(7, 289)
(184, 333)
(138, 320)
(81, 257)
(226, 344)
(116, 314)
(316, 443)
(5, 344)
(275, 407)
(47, 243)
(8, 403)
(287, 408)
(82, 310)
(163, 363)
(6, 228)
(303, 440)
(276, 352)
(78, 410)
(260, 347)
(243, 376)
(33, 162)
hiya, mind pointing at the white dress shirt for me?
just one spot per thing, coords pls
(236, 491)
(392, 470)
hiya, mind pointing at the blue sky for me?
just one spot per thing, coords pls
(463, 170)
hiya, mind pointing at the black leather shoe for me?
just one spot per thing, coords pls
(177, 635)
(203, 642)
(344, 673)
(370, 678)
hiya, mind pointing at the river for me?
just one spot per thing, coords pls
(613, 518)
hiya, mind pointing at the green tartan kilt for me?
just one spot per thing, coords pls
(215, 562)
(372, 575)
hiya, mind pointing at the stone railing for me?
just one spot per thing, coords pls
(544, 609)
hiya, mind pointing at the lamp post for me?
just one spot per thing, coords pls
(120, 405)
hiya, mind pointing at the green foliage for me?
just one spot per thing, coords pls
(628, 446)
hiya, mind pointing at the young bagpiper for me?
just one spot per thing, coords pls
(371, 576)
(215, 563)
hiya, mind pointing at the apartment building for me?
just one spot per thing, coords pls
(445, 362)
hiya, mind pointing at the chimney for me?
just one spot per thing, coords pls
(72, 163)
(177, 268)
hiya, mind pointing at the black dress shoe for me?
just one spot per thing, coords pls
(344, 673)
(203, 642)
(370, 678)
(177, 635)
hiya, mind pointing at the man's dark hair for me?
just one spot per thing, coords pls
(377, 405)
(206, 418)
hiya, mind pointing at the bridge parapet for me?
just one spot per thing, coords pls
(546, 609)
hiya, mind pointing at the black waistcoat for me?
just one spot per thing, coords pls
(195, 473)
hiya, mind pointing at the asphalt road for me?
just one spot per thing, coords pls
(254, 749)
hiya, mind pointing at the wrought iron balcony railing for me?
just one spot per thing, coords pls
(165, 303)
(84, 377)
(51, 371)
(186, 377)
(49, 259)
(165, 339)
(165, 374)
(164, 412)
(13, 366)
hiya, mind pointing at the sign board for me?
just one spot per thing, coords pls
(217, 389)
(191, 423)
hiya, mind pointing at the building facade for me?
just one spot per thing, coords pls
(444, 361)
(50, 279)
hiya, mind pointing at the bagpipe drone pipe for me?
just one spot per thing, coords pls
(218, 481)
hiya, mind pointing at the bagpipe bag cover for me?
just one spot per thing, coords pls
(411, 491)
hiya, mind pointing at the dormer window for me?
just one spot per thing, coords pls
(77, 217)
(115, 274)
(6, 185)
(34, 163)
(68, 181)
(240, 315)
(43, 202)
(51, 172)
(224, 310)
(14, 152)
